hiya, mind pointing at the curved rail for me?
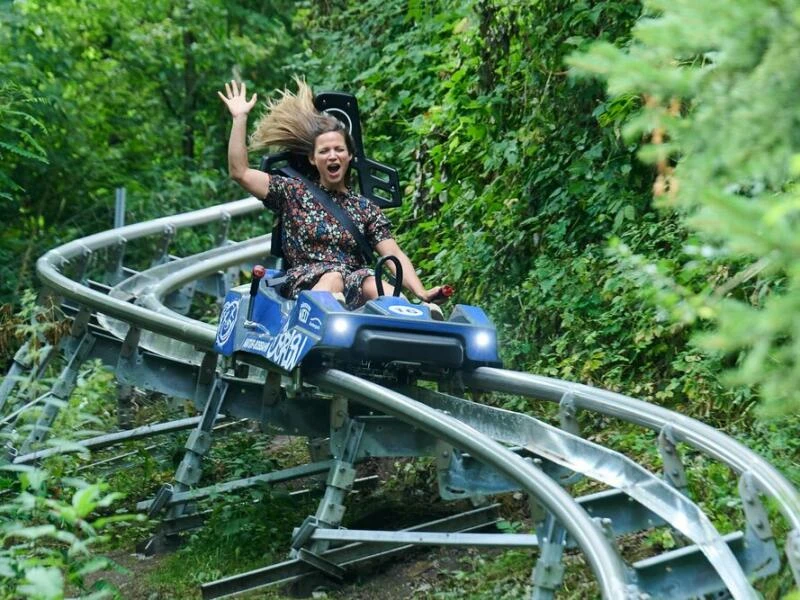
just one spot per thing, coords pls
(49, 264)
(152, 286)
(690, 431)
(609, 568)
(606, 466)
(149, 314)
(603, 559)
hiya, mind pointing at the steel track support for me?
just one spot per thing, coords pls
(77, 346)
(24, 366)
(345, 442)
(190, 470)
(116, 255)
(223, 227)
(674, 473)
(187, 474)
(548, 574)
(568, 419)
(346, 556)
(124, 405)
(180, 301)
(793, 552)
(162, 249)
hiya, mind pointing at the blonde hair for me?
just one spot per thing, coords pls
(293, 123)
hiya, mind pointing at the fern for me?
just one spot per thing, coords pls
(18, 129)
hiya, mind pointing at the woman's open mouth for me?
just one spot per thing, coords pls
(334, 169)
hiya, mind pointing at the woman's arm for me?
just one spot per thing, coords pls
(410, 280)
(254, 181)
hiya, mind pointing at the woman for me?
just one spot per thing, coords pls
(321, 254)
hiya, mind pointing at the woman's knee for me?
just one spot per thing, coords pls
(369, 289)
(332, 281)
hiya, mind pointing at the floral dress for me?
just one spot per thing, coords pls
(314, 242)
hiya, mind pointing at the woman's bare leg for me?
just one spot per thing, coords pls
(369, 289)
(332, 281)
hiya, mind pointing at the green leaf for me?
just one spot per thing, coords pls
(43, 583)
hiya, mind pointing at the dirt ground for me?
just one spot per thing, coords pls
(406, 576)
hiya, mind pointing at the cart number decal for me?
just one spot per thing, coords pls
(406, 311)
(286, 349)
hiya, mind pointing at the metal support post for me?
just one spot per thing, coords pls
(548, 573)
(119, 207)
(162, 250)
(568, 418)
(180, 301)
(568, 414)
(116, 254)
(82, 266)
(674, 473)
(221, 237)
(793, 552)
(59, 393)
(24, 365)
(340, 481)
(207, 376)
(189, 471)
(754, 512)
(124, 405)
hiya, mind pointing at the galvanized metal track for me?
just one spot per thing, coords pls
(145, 339)
(711, 442)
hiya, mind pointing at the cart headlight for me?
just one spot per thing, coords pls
(483, 339)
(340, 325)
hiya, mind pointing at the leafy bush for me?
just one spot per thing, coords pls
(48, 535)
(726, 154)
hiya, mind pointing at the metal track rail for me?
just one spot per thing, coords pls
(349, 555)
(603, 465)
(110, 439)
(708, 440)
(171, 325)
(184, 341)
(150, 287)
(602, 557)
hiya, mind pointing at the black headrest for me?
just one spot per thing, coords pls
(376, 181)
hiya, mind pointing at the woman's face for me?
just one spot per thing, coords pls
(331, 157)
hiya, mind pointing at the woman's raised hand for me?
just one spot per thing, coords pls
(235, 98)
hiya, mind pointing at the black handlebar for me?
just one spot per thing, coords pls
(398, 275)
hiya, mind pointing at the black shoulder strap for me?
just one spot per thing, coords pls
(338, 213)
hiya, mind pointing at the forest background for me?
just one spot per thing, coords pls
(615, 182)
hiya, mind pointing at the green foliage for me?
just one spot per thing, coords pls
(248, 533)
(52, 524)
(19, 129)
(704, 72)
(128, 99)
(48, 533)
(20, 148)
(517, 178)
(520, 177)
(504, 576)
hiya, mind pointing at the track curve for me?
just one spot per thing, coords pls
(138, 304)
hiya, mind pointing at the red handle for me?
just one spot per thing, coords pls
(444, 293)
(258, 274)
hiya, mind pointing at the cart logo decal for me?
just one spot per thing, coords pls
(305, 308)
(406, 311)
(227, 321)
